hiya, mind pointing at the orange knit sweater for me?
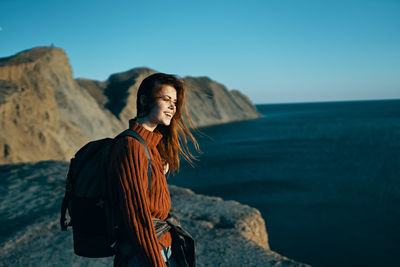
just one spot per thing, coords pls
(128, 166)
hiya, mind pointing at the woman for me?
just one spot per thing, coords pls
(160, 105)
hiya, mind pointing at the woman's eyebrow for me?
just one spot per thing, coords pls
(175, 100)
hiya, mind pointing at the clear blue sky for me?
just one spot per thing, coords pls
(273, 51)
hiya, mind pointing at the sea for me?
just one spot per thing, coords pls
(325, 177)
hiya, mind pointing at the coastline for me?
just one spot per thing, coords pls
(227, 233)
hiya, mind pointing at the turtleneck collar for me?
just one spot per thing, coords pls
(152, 138)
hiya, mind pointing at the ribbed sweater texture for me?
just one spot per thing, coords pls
(128, 166)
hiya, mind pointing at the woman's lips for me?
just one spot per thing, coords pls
(169, 114)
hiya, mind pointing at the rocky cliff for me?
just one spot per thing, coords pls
(44, 113)
(47, 114)
(208, 102)
(227, 233)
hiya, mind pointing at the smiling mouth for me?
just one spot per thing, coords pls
(168, 114)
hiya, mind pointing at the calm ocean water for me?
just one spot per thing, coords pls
(325, 176)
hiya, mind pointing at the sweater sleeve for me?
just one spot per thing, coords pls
(130, 168)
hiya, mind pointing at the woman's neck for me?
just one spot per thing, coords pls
(147, 123)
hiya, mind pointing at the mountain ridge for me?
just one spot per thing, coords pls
(49, 114)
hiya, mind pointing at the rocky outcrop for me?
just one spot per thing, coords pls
(208, 102)
(227, 233)
(211, 103)
(46, 114)
(118, 93)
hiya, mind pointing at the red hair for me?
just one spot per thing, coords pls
(176, 135)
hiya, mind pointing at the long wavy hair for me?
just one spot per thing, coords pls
(176, 135)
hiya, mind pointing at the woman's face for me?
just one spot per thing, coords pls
(165, 106)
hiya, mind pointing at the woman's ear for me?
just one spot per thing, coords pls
(143, 100)
(142, 106)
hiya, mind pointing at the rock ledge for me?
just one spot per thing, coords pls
(227, 233)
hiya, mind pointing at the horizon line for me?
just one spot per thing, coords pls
(328, 101)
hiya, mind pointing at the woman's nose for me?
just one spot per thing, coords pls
(172, 105)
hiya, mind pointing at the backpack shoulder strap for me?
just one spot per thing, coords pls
(137, 136)
(68, 190)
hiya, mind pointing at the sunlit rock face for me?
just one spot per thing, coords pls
(46, 114)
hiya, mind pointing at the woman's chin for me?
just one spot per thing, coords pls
(166, 122)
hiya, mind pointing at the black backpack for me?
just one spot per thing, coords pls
(87, 198)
